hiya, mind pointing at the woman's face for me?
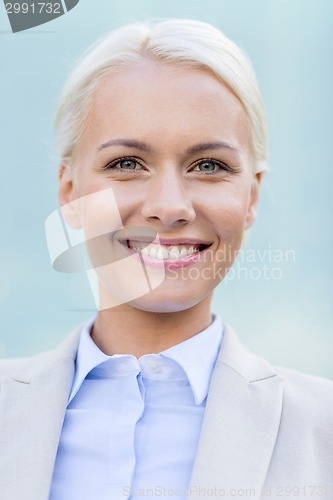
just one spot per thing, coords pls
(171, 147)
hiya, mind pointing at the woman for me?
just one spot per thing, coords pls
(163, 143)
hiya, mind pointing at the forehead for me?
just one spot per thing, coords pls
(166, 102)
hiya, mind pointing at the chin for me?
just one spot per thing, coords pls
(160, 307)
(159, 301)
(162, 300)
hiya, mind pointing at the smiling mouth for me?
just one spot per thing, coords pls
(165, 251)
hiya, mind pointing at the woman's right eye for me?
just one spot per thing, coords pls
(124, 164)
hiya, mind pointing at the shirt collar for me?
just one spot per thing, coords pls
(196, 356)
(88, 357)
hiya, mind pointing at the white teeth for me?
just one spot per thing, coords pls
(174, 253)
(164, 252)
(183, 252)
(159, 254)
(153, 252)
(145, 251)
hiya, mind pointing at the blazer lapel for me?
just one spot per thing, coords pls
(240, 425)
(32, 409)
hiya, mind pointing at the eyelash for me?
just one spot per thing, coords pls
(223, 166)
(114, 163)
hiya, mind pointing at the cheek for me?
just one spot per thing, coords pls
(228, 224)
(99, 213)
(128, 196)
(228, 213)
(131, 197)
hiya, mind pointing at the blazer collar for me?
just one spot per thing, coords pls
(32, 408)
(240, 425)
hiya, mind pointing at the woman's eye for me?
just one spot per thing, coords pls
(124, 164)
(208, 166)
(127, 164)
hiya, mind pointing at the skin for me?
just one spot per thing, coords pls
(169, 108)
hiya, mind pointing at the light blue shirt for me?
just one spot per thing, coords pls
(132, 425)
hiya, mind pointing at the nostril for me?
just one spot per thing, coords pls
(153, 217)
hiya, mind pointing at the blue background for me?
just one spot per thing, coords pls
(286, 320)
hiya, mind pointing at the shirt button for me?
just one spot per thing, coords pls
(155, 367)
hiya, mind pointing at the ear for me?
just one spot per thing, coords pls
(254, 198)
(68, 203)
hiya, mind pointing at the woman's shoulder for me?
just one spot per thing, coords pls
(8, 367)
(307, 393)
(311, 383)
(29, 367)
(12, 366)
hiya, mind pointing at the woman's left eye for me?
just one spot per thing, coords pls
(127, 164)
(209, 166)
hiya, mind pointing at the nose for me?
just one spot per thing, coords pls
(168, 201)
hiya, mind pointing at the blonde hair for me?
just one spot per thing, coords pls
(175, 41)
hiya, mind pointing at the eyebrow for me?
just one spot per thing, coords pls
(130, 143)
(211, 145)
(142, 146)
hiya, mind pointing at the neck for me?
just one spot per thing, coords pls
(127, 330)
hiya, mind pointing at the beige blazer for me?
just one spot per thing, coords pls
(266, 431)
